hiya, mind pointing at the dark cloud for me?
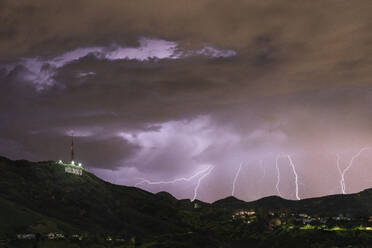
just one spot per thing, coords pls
(245, 81)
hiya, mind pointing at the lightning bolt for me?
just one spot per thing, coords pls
(348, 167)
(342, 180)
(296, 176)
(182, 179)
(204, 172)
(235, 178)
(199, 181)
(278, 174)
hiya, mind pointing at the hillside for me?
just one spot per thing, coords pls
(359, 204)
(41, 198)
(85, 202)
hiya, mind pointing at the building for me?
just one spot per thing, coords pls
(247, 216)
(55, 236)
(27, 236)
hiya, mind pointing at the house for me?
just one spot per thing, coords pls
(307, 220)
(341, 217)
(77, 236)
(304, 215)
(275, 222)
(245, 212)
(27, 236)
(248, 216)
(323, 220)
(55, 236)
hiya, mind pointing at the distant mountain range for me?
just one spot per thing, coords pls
(40, 198)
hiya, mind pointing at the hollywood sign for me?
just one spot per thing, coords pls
(74, 171)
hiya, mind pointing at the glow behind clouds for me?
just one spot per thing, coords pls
(160, 89)
(41, 71)
(200, 141)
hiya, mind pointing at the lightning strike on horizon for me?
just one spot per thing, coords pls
(203, 174)
(199, 181)
(278, 174)
(235, 178)
(343, 172)
(184, 179)
(296, 176)
(342, 180)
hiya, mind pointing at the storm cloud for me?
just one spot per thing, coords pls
(162, 89)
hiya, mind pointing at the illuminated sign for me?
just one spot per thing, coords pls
(74, 171)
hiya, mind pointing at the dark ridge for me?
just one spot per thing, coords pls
(38, 196)
(86, 201)
(165, 196)
(230, 200)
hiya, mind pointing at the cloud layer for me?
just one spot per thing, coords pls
(161, 89)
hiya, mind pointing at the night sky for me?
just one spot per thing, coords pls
(165, 89)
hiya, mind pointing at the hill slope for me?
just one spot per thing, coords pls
(42, 198)
(85, 202)
(359, 204)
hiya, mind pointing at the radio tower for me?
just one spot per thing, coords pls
(72, 145)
